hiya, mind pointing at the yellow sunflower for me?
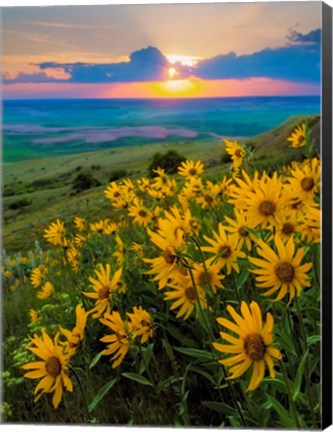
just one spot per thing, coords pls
(298, 137)
(171, 242)
(118, 342)
(184, 296)
(140, 214)
(287, 225)
(52, 369)
(190, 168)
(79, 223)
(252, 346)
(224, 249)
(104, 287)
(73, 257)
(140, 323)
(100, 226)
(311, 224)
(265, 203)
(46, 291)
(304, 181)
(38, 275)
(283, 271)
(56, 234)
(208, 276)
(238, 227)
(77, 335)
(236, 151)
(33, 316)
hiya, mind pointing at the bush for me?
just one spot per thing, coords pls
(169, 161)
(19, 204)
(225, 158)
(84, 181)
(117, 175)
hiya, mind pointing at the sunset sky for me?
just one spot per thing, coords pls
(130, 51)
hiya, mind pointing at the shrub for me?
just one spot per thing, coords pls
(19, 204)
(117, 175)
(169, 161)
(84, 181)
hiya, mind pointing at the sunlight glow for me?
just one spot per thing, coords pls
(184, 60)
(177, 88)
(172, 72)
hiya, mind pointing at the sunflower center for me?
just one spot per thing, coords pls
(267, 208)
(122, 339)
(243, 232)
(205, 278)
(225, 251)
(254, 347)
(142, 213)
(307, 183)
(208, 198)
(169, 256)
(192, 171)
(296, 204)
(285, 272)
(103, 292)
(53, 366)
(288, 228)
(189, 293)
(116, 194)
(193, 224)
(300, 139)
(239, 153)
(145, 323)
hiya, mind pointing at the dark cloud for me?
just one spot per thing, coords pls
(148, 64)
(314, 36)
(37, 77)
(299, 61)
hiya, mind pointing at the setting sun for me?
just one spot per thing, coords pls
(172, 72)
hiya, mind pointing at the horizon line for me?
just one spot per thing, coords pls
(160, 98)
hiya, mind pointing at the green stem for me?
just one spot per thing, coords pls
(211, 336)
(291, 401)
(235, 288)
(85, 404)
(306, 367)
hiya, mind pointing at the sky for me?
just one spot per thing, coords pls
(170, 50)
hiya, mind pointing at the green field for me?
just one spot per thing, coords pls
(45, 184)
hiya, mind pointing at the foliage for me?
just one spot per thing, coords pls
(168, 161)
(84, 181)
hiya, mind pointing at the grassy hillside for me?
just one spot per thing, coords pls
(38, 191)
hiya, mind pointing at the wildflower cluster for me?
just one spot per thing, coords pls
(185, 255)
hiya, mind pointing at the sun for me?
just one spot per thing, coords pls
(172, 72)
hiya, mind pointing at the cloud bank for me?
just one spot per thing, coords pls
(299, 61)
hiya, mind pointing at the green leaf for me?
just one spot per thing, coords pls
(201, 317)
(138, 378)
(299, 375)
(313, 339)
(204, 373)
(174, 332)
(101, 393)
(95, 360)
(276, 383)
(242, 278)
(166, 383)
(220, 407)
(168, 349)
(196, 353)
(147, 356)
(282, 412)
